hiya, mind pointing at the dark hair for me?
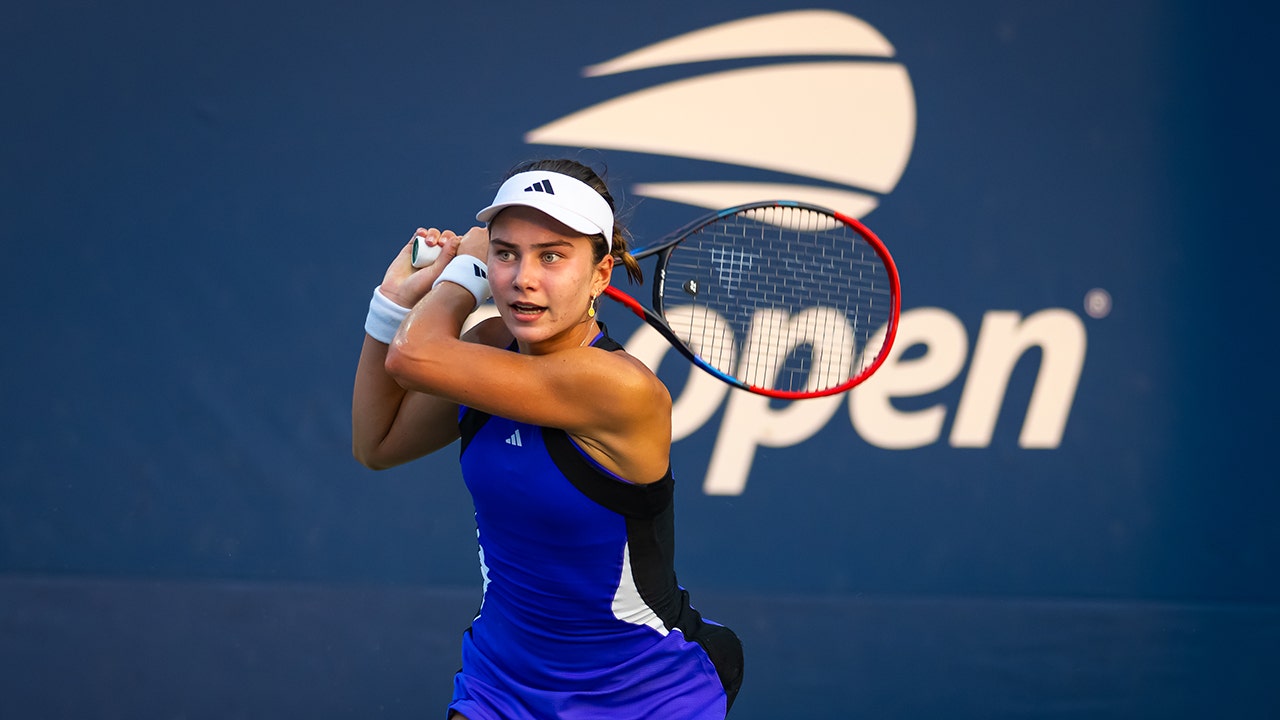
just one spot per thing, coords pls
(579, 171)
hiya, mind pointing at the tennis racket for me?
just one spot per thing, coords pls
(778, 298)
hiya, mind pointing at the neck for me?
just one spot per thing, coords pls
(592, 331)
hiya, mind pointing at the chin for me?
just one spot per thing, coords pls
(535, 334)
(528, 332)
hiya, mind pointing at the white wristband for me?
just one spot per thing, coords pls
(470, 273)
(384, 317)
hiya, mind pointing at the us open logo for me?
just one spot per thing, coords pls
(846, 124)
(848, 120)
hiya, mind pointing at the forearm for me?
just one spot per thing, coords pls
(422, 356)
(390, 423)
(375, 403)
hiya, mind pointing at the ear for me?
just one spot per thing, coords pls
(602, 275)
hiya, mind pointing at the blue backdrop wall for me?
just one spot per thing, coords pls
(1058, 500)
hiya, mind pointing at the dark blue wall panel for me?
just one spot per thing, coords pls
(196, 200)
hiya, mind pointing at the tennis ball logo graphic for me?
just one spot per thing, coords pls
(846, 121)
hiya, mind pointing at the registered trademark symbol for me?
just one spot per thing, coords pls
(1097, 303)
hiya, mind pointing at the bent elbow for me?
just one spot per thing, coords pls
(395, 362)
(403, 367)
(415, 368)
(377, 461)
(368, 456)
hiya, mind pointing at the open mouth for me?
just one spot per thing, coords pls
(527, 311)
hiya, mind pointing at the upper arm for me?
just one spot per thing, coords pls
(392, 424)
(423, 424)
(575, 390)
(608, 399)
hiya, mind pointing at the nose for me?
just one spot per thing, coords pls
(526, 274)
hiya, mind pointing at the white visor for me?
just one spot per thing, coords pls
(567, 199)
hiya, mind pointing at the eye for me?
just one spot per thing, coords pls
(550, 257)
(503, 255)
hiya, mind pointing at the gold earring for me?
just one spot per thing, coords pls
(591, 309)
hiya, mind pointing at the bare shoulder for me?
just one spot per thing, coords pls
(632, 402)
(634, 377)
(631, 434)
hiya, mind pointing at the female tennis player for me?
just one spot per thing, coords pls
(565, 447)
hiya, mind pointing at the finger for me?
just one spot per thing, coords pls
(425, 246)
(449, 250)
(430, 236)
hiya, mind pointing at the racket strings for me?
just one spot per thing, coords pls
(780, 297)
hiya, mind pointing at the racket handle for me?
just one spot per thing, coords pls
(424, 254)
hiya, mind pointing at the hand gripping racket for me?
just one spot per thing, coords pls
(423, 254)
(778, 298)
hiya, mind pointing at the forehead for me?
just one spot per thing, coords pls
(525, 224)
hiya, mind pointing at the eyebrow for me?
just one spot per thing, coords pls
(535, 246)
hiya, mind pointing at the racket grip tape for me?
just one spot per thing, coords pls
(424, 254)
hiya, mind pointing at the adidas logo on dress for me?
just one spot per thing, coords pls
(515, 439)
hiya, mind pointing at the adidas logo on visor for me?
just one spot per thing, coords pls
(541, 186)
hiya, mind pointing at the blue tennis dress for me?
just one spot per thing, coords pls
(582, 616)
